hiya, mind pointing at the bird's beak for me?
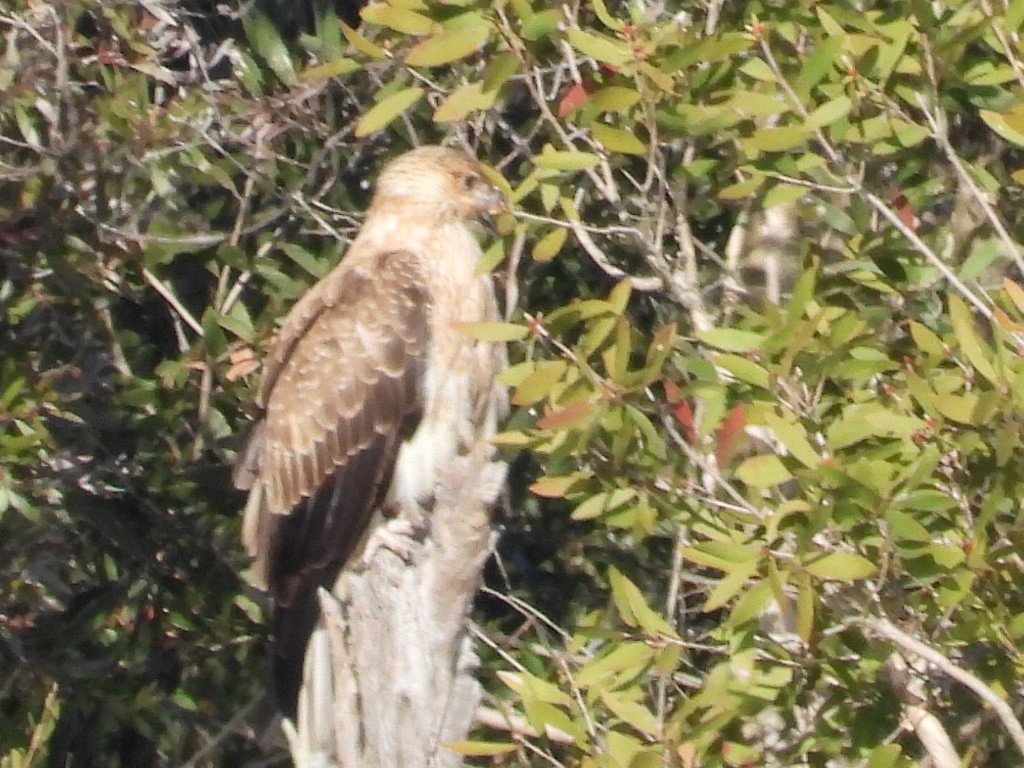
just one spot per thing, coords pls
(491, 200)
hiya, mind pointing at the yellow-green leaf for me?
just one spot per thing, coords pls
(777, 139)
(829, 112)
(399, 19)
(614, 98)
(631, 713)
(763, 471)
(334, 68)
(464, 100)
(548, 246)
(970, 343)
(633, 608)
(539, 384)
(618, 140)
(528, 686)
(494, 330)
(793, 437)
(499, 69)
(480, 748)
(599, 47)
(926, 339)
(267, 42)
(628, 655)
(1010, 125)
(731, 339)
(450, 45)
(387, 110)
(361, 44)
(744, 369)
(601, 10)
(841, 566)
(555, 487)
(565, 161)
(730, 586)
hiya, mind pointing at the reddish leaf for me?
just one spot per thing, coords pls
(684, 415)
(727, 440)
(566, 416)
(573, 98)
(905, 210)
(672, 393)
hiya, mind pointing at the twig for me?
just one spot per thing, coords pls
(230, 727)
(888, 630)
(940, 136)
(518, 725)
(160, 287)
(601, 259)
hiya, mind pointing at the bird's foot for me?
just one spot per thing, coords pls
(400, 536)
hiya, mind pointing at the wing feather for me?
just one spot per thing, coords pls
(342, 387)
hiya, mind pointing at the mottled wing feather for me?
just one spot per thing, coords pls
(344, 387)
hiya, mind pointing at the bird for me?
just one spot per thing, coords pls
(370, 388)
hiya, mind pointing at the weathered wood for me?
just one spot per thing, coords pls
(389, 675)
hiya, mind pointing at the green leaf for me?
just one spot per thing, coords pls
(731, 339)
(267, 42)
(448, 46)
(599, 47)
(633, 608)
(926, 340)
(600, 503)
(528, 686)
(1009, 126)
(841, 566)
(494, 330)
(630, 712)
(903, 527)
(763, 471)
(540, 382)
(387, 110)
(776, 139)
(628, 656)
(829, 112)
(970, 342)
(327, 70)
(821, 61)
(361, 44)
(614, 98)
(480, 748)
(565, 161)
(499, 69)
(601, 11)
(402, 20)
(730, 586)
(885, 756)
(794, 438)
(618, 140)
(548, 246)
(466, 99)
(806, 599)
(557, 486)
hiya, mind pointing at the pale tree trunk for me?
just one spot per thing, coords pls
(389, 675)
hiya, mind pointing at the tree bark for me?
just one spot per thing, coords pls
(389, 671)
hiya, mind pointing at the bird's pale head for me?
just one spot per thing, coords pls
(438, 182)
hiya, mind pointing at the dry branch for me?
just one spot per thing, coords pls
(391, 677)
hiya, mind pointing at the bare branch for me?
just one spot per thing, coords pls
(888, 630)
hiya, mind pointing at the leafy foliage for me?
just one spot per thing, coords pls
(766, 340)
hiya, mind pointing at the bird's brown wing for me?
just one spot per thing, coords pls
(342, 388)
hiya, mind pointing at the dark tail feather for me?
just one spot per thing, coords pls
(292, 627)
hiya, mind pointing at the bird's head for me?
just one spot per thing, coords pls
(438, 181)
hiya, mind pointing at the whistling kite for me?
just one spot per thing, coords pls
(369, 390)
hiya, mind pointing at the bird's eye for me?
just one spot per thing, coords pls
(470, 180)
